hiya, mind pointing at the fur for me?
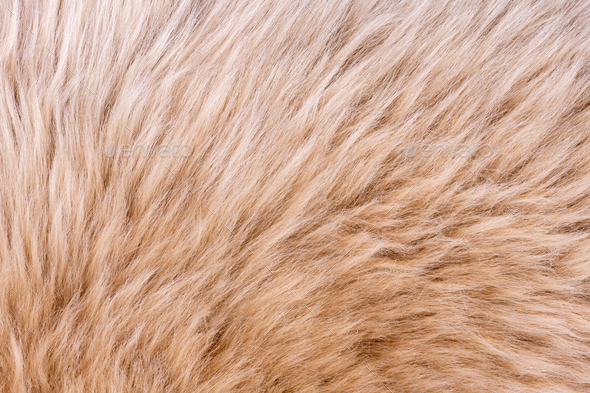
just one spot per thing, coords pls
(379, 196)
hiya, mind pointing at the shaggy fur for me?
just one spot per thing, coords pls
(284, 196)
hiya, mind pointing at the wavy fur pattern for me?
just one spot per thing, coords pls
(379, 196)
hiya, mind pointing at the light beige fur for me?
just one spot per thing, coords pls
(380, 196)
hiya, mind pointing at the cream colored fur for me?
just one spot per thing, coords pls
(380, 196)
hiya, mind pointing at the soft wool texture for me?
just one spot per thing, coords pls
(388, 196)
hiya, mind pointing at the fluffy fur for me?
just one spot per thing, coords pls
(329, 231)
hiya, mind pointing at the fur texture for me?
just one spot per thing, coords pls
(283, 196)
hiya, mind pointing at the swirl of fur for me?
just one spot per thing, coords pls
(282, 196)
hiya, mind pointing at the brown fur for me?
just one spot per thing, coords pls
(379, 196)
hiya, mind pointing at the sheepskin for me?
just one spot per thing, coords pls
(294, 196)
